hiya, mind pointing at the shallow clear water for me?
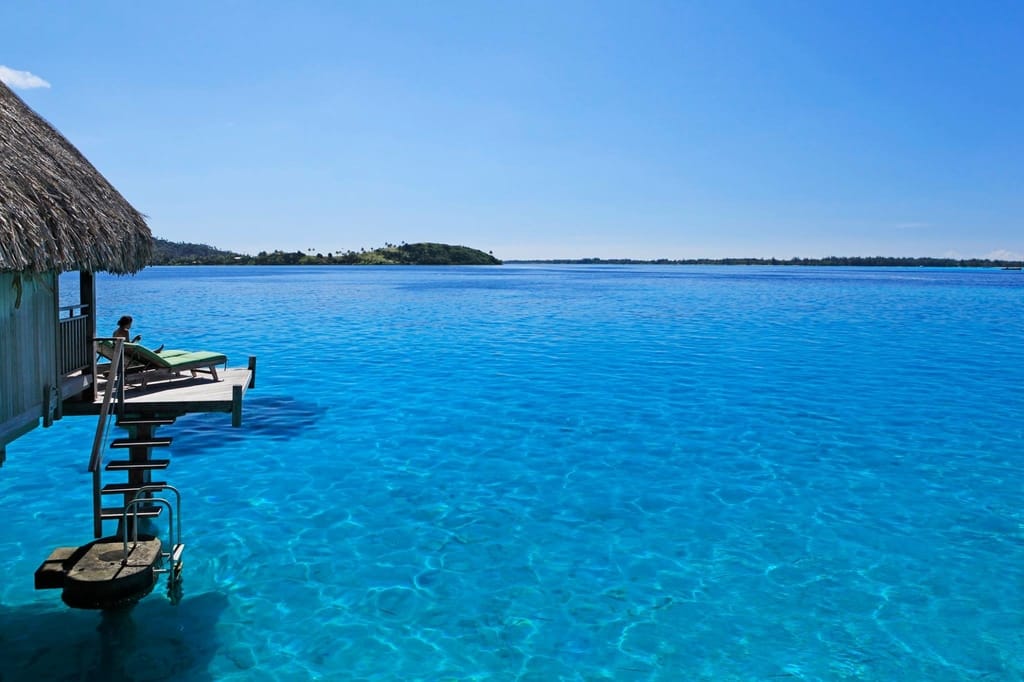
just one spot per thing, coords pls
(579, 473)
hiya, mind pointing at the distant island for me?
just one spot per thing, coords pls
(424, 253)
(428, 253)
(850, 261)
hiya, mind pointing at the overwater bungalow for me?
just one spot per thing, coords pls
(58, 214)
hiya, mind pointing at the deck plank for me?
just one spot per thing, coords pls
(182, 394)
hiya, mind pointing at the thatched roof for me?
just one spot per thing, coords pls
(56, 211)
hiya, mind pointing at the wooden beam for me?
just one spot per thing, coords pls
(18, 426)
(236, 405)
(87, 297)
(50, 411)
(47, 407)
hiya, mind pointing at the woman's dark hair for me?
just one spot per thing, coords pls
(124, 321)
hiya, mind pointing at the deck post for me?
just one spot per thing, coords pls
(47, 407)
(252, 371)
(57, 411)
(236, 405)
(97, 504)
(58, 353)
(87, 298)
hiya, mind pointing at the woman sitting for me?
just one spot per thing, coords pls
(124, 326)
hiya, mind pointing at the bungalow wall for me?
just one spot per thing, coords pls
(28, 350)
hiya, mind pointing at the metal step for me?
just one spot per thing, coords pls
(125, 465)
(144, 512)
(122, 488)
(140, 443)
(173, 559)
(145, 421)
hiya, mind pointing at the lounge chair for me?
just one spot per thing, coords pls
(147, 364)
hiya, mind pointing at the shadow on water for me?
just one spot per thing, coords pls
(266, 418)
(154, 640)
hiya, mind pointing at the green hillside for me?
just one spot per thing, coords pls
(183, 253)
(423, 253)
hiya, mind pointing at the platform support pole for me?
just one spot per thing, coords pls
(236, 405)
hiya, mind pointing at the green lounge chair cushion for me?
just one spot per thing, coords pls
(174, 359)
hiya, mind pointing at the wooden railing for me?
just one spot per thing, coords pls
(75, 342)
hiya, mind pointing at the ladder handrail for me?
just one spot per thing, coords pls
(132, 508)
(133, 505)
(115, 381)
(153, 488)
(108, 392)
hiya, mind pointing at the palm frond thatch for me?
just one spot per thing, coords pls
(57, 213)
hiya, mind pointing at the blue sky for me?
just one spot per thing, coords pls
(546, 129)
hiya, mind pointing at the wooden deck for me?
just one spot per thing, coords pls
(180, 395)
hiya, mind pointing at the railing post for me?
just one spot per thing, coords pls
(95, 384)
(97, 504)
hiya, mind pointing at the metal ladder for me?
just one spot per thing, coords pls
(173, 557)
(139, 465)
(139, 491)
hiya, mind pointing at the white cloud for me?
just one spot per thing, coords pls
(1003, 254)
(911, 226)
(21, 80)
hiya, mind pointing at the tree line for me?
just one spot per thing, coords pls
(852, 261)
(430, 253)
(423, 253)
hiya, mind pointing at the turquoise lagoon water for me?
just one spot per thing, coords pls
(563, 473)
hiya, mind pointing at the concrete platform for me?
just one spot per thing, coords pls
(99, 575)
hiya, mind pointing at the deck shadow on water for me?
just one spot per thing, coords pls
(152, 641)
(265, 418)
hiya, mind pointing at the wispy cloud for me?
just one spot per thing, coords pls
(1003, 254)
(911, 226)
(21, 80)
